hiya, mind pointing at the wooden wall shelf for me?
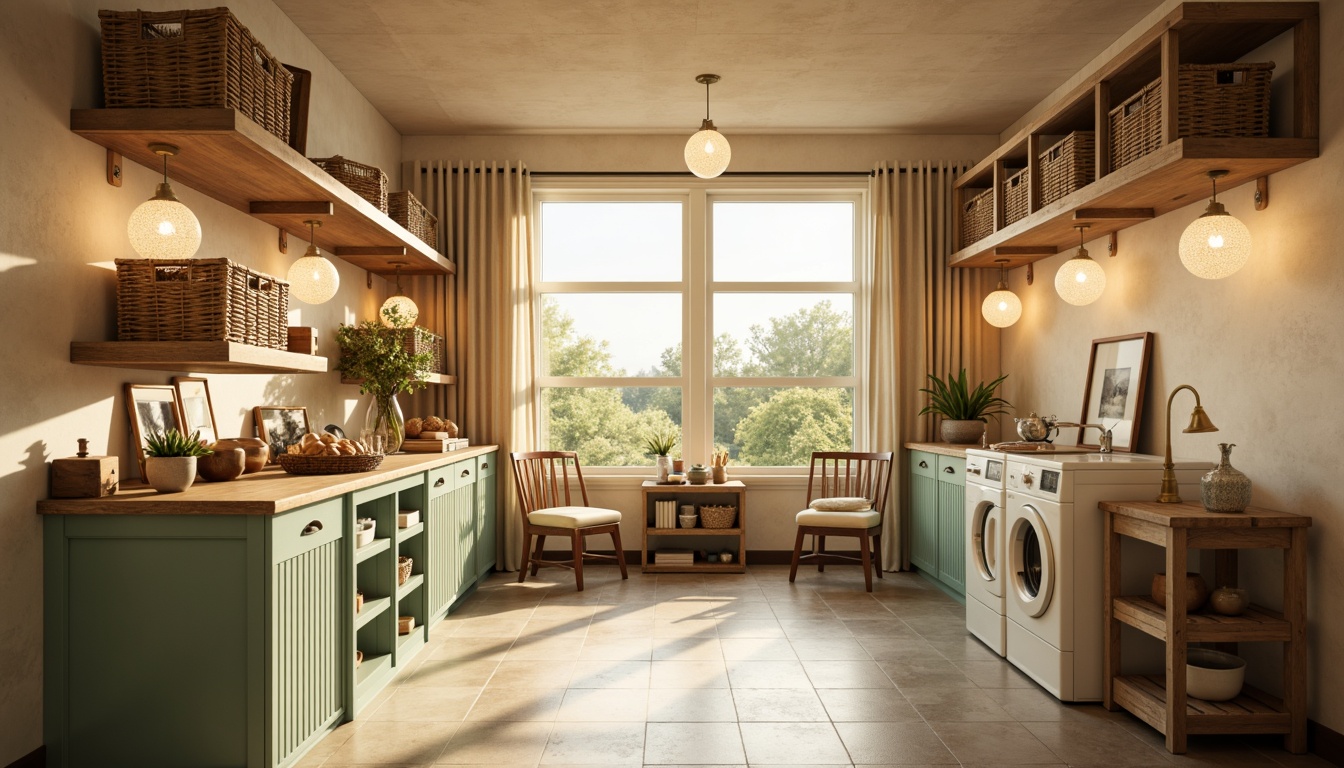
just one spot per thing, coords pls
(193, 357)
(232, 159)
(431, 378)
(1171, 177)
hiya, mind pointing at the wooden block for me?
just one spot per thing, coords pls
(434, 435)
(90, 477)
(303, 340)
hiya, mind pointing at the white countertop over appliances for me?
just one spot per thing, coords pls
(985, 551)
(1054, 547)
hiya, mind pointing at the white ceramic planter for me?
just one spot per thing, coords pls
(170, 474)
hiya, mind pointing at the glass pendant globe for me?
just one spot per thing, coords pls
(1001, 308)
(313, 279)
(406, 312)
(1080, 281)
(1215, 246)
(708, 154)
(164, 229)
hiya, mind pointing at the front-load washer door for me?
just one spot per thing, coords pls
(1031, 562)
(985, 546)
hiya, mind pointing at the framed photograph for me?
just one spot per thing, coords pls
(198, 415)
(1117, 375)
(153, 408)
(280, 426)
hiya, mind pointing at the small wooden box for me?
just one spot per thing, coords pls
(89, 477)
(303, 340)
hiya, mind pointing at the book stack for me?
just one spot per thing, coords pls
(665, 513)
(433, 444)
(674, 557)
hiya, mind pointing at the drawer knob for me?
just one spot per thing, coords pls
(312, 528)
(439, 483)
(923, 465)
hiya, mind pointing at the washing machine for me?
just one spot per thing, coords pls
(985, 473)
(1054, 553)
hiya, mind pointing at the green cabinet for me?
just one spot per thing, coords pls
(487, 517)
(923, 511)
(938, 518)
(464, 516)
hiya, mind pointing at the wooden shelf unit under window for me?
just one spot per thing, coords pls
(732, 492)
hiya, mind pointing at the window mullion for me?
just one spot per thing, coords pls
(697, 327)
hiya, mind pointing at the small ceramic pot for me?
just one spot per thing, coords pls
(170, 474)
(687, 521)
(255, 449)
(678, 465)
(962, 432)
(698, 474)
(1229, 601)
(1196, 591)
(223, 465)
(720, 475)
(1213, 675)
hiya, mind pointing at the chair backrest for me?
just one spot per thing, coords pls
(840, 473)
(547, 479)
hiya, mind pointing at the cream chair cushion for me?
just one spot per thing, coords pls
(841, 504)
(867, 518)
(573, 517)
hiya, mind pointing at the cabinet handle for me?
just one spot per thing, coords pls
(439, 483)
(465, 473)
(485, 465)
(949, 470)
(312, 528)
(923, 465)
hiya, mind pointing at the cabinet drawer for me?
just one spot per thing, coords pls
(923, 463)
(294, 533)
(951, 469)
(486, 465)
(452, 476)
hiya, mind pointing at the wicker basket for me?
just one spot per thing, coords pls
(1218, 100)
(186, 58)
(417, 340)
(328, 465)
(1068, 166)
(200, 300)
(367, 181)
(403, 569)
(1015, 196)
(713, 516)
(414, 216)
(977, 217)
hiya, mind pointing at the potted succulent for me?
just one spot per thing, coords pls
(964, 410)
(374, 353)
(660, 444)
(170, 460)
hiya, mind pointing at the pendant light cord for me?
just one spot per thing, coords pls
(706, 104)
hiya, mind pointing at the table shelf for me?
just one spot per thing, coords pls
(732, 492)
(1251, 711)
(1256, 624)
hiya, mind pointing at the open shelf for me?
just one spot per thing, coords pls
(371, 549)
(431, 378)
(228, 157)
(194, 356)
(371, 667)
(1146, 695)
(414, 530)
(1256, 624)
(409, 643)
(696, 566)
(410, 586)
(371, 610)
(695, 531)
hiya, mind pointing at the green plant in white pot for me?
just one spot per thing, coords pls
(170, 460)
(964, 411)
(660, 444)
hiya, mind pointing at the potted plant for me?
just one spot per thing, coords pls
(660, 444)
(964, 411)
(170, 460)
(374, 353)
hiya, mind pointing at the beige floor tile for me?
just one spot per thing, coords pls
(617, 649)
(701, 705)
(595, 744)
(879, 627)
(449, 673)
(767, 674)
(900, 649)
(739, 609)
(846, 674)
(604, 705)
(496, 742)
(925, 673)
(757, 649)
(621, 628)
(1093, 743)
(955, 704)
(797, 629)
(381, 743)
(426, 703)
(545, 648)
(555, 628)
(687, 649)
(626, 610)
(532, 674)
(517, 704)
(994, 674)
(489, 627)
(688, 674)
(577, 614)
(685, 628)
(897, 743)
(999, 743)
(965, 649)
(690, 608)
(756, 628)
(805, 611)
(792, 743)
(835, 649)
(860, 705)
(693, 744)
(463, 649)
(1035, 705)
(610, 674)
(774, 705)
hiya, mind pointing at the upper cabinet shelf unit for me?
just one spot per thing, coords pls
(232, 159)
(1175, 174)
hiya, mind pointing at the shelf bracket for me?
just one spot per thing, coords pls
(368, 278)
(1262, 193)
(1113, 244)
(1031, 273)
(114, 168)
(283, 243)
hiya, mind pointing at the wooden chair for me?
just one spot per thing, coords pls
(544, 480)
(836, 475)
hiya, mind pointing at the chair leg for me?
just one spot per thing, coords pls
(797, 551)
(866, 558)
(536, 556)
(578, 559)
(620, 553)
(522, 572)
(877, 554)
(821, 550)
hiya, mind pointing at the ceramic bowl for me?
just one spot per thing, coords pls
(687, 521)
(221, 466)
(1229, 601)
(256, 449)
(1213, 675)
(1196, 591)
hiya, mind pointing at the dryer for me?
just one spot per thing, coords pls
(985, 551)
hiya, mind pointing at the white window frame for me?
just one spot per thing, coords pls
(696, 382)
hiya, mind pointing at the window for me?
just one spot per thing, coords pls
(727, 316)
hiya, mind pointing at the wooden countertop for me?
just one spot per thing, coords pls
(1190, 514)
(268, 492)
(945, 449)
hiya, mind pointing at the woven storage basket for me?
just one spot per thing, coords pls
(403, 569)
(417, 340)
(200, 300)
(367, 181)
(328, 465)
(977, 217)
(200, 58)
(712, 516)
(1068, 166)
(1015, 196)
(414, 216)
(1136, 126)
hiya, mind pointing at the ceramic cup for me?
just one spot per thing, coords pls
(687, 521)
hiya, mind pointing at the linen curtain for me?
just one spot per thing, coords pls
(924, 318)
(486, 312)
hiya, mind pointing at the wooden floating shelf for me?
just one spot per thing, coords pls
(1253, 711)
(194, 357)
(428, 378)
(226, 156)
(1256, 624)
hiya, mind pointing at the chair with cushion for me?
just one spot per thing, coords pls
(846, 496)
(545, 481)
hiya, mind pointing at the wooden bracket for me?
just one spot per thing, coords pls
(1262, 193)
(368, 278)
(114, 168)
(284, 241)
(1111, 214)
(1031, 274)
(1113, 244)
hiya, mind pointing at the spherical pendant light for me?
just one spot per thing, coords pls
(313, 279)
(399, 311)
(707, 152)
(1080, 280)
(1216, 244)
(162, 227)
(1001, 308)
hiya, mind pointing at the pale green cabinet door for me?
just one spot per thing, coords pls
(487, 521)
(923, 512)
(952, 523)
(441, 533)
(464, 505)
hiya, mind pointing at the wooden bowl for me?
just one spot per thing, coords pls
(256, 449)
(223, 465)
(1196, 591)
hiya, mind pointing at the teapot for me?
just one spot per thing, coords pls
(1035, 428)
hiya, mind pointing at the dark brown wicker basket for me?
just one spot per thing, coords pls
(1068, 166)
(1015, 196)
(417, 340)
(1136, 126)
(193, 58)
(977, 217)
(200, 300)
(414, 216)
(715, 516)
(367, 181)
(328, 465)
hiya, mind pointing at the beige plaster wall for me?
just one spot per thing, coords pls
(1262, 347)
(61, 225)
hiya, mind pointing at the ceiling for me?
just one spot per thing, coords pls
(788, 66)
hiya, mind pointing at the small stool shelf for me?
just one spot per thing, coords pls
(1161, 700)
(732, 492)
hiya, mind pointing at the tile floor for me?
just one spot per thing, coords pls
(735, 670)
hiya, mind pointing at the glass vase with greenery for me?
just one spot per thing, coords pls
(376, 354)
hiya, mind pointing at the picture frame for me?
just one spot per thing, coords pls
(280, 426)
(1117, 377)
(198, 413)
(152, 408)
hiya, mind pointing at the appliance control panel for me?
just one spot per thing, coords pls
(1035, 480)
